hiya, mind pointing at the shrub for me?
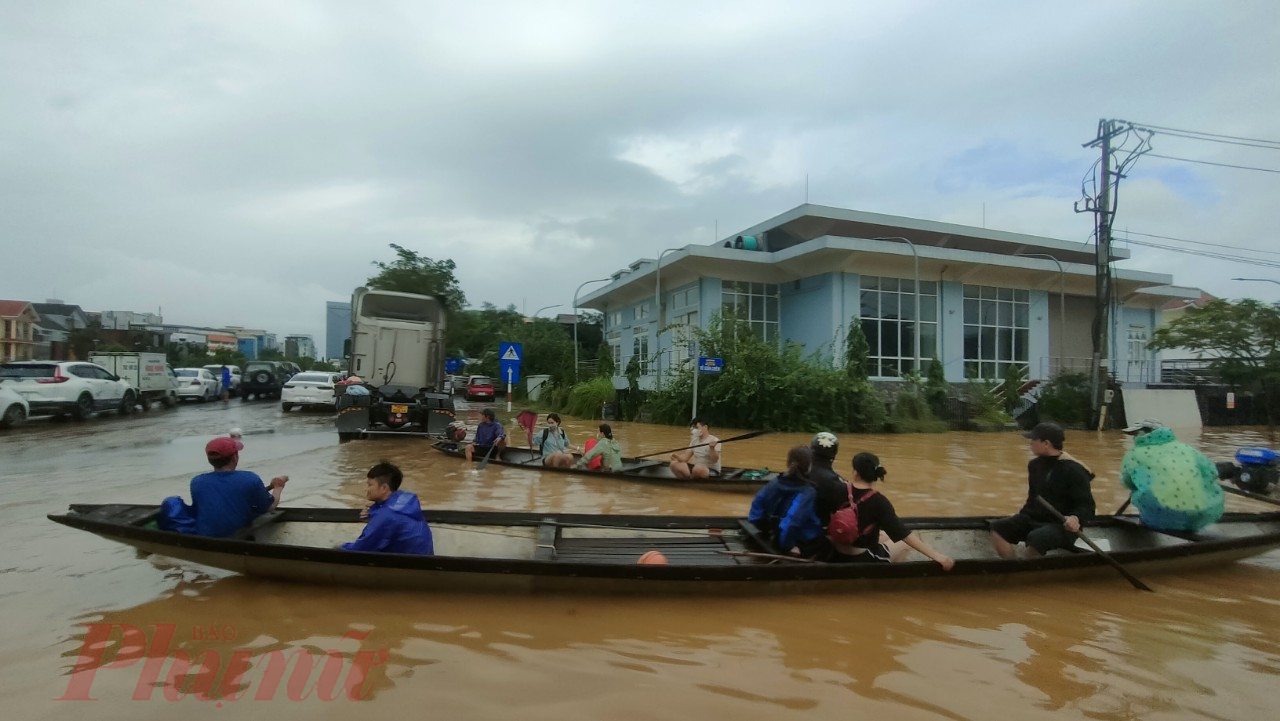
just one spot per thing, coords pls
(586, 399)
(1066, 400)
(911, 413)
(988, 406)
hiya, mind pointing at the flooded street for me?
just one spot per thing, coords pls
(1203, 646)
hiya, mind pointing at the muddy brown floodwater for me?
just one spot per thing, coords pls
(1203, 646)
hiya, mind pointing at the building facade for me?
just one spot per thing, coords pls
(18, 321)
(337, 329)
(299, 346)
(977, 300)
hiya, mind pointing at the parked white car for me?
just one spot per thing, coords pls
(68, 387)
(216, 370)
(310, 388)
(14, 409)
(198, 383)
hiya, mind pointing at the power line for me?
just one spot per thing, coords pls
(1200, 242)
(1207, 135)
(1257, 262)
(1216, 140)
(1220, 165)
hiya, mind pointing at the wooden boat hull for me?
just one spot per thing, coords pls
(633, 469)
(579, 553)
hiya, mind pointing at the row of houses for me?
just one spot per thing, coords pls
(38, 331)
(976, 299)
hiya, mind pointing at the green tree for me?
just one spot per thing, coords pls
(1242, 339)
(857, 352)
(414, 273)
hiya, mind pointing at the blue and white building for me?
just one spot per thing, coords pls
(977, 299)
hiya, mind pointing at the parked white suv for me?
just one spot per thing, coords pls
(74, 387)
(13, 408)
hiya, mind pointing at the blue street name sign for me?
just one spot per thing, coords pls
(509, 356)
(710, 365)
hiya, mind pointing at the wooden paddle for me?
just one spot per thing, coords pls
(742, 437)
(484, 462)
(1105, 556)
(1124, 505)
(1250, 494)
(770, 556)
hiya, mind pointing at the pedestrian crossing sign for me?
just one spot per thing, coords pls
(511, 352)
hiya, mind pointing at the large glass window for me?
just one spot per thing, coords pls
(889, 321)
(754, 303)
(995, 330)
(639, 350)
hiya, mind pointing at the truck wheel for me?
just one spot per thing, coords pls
(84, 407)
(13, 417)
(286, 407)
(169, 401)
(126, 403)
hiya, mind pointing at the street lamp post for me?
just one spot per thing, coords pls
(657, 309)
(1259, 280)
(545, 307)
(916, 257)
(575, 322)
(1062, 307)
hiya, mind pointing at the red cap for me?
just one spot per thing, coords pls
(222, 448)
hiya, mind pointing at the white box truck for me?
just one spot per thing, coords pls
(149, 373)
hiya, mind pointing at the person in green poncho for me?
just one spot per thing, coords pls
(1174, 486)
(607, 448)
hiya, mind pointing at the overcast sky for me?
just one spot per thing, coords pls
(243, 162)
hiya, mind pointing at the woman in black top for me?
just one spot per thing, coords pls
(876, 514)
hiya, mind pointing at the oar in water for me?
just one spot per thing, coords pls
(484, 462)
(1138, 584)
(742, 437)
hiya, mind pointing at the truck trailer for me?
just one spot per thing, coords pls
(397, 350)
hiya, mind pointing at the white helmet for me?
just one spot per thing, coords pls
(825, 444)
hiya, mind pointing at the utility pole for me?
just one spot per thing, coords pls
(1103, 207)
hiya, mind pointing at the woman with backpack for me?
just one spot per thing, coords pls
(854, 531)
(554, 443)
(783, 510)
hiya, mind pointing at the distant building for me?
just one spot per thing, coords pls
(17, 330)
(53, 330)
(252, 341)
(337, 326)
(126, 319)
(299, 346)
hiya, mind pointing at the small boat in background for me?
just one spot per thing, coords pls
(744, 480)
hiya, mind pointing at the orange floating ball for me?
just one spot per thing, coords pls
(653, 558)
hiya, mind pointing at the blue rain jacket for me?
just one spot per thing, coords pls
(395, 526)
(785, 510)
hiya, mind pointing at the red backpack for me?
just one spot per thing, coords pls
(843, 528)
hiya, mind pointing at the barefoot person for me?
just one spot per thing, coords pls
(554, 444)
(878, 522)
(701, 461)
(491, 437)
(1060, 480)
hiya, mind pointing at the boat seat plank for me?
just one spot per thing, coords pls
(548, 536)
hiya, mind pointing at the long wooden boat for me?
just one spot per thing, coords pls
(581, 553)
(743, 480)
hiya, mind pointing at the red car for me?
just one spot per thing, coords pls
(479, 388)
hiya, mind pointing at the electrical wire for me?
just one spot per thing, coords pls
(1220, 165)
(1257, 262)
(1200, 242)
(1207, 135)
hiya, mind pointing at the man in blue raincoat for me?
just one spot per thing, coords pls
(395, 524)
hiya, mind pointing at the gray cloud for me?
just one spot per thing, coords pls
(236, 163)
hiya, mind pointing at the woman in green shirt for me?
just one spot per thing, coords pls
(607, 448)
